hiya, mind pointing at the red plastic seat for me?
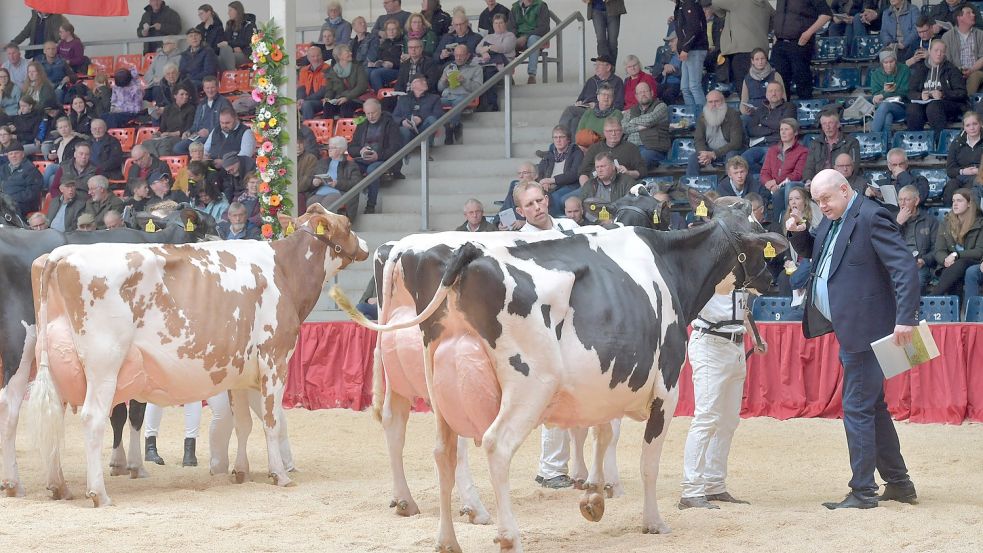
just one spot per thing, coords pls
(175, 163)
(129, 61)
(322, 129)
(230, 82)
(101, 64)
(126, 136)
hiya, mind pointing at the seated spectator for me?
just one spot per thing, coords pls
(646, 124)
(627, 158)
(833, 142)
(889, 82)
(846, 13)
(603, 75)
(385, 68)
(898, 25)
(845, 164)
(917, 51)
(573, 209)
(755, 86)
(919, 230)
(739, 182)
(347, 81)
(634, 77)
(669, 66)
(231, 136)
(101, 200)
(112, 219)
(238, 226)
(474, 218)
(37, 221)
(196, 173)
(326, 46)
(127, 99)
(783, 165)
(9, 95)
(365, 45)
(719, 134)
(208, 199)
(414, 64)
(6, 141)
(529, 20)
(963, 157)
(250, 199)
(959, 244)
(459, 79)
(78, 169)
(80, 117)
(166, 55)
(176, 120)
(437, 18)
(107, 152)
(525, 172)
(71, 49)
(376, 140)
(86, 223)
(307, 160)
(231, 175)
(144, 165)
(21, 180)
(417, 110)
(137, 195)
(795, 264)
(591, 125)
(899, 176)
(607, 184)
(964, 47)
(211, 28)
(498, 47)
(206, 116)
(62, 148)
(163, 94)
(198, 61)
(342, 29)
(16, 65)
(763, 127)
(418, 28)
(158, 19)
(757, 208)
(26, 125)
(460, 34)
(239, 30)
(39, 88)
(487, 16)
(937, 90)
(57, 70)
(160, 190)
(312, 83)
(557, 172)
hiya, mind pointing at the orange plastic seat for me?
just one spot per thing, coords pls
(230, 82)
(145, 133)
(101, 64)
(147, 60)
(129, 61)
(345, 128)
(126, 136)
(175, 163)
(322, 129)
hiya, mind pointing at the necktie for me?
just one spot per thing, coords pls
(831, 237)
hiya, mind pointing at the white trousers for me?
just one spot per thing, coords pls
(719, 369)
(555, 453)
(223, 423)
(192, 419)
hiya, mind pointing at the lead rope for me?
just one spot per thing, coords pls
(755, 334)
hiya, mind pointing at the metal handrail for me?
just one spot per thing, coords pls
(422, 139)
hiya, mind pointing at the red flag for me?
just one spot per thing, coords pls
(105, 8)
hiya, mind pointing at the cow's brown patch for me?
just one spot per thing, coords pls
(226, 261)
(69, 286)
(218, 376)
(133, 260)
(98, 289)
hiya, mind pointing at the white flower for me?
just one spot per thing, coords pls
(263, 49)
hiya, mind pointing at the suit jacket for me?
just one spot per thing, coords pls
(870, 261)
(483, 226)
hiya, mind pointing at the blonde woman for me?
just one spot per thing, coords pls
(959, 244)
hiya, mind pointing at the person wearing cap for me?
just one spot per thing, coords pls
(21, 180)
(160, 190)
(65, 208)
(101, 200)
(198, 61)
(86, 223)
(603, 75)
(230, 176)
(144, 165)
(158, 20)
(890, 80)
(529, 20)
(231, 136)
(691, 28)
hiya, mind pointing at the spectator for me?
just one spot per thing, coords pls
(418, 28)
(166, 55)
(6, 141)
(947, 11)
(845, 164)
(646, 124)
(529, 20)
(37, 221)
(898, 26)
(525, 172)
(336, 175)
(739, 181)
(823, 150)
(533, 205)
(719, 134)
(557, 171)
(163, 94)
(919, 230)
(70, 48)
(160, 190)
(101, 200)
(211, 28)
(937, 90)
(755, 85)
(158, 20)
(964, 48)
(57, 70)
(40, 28)
(385, 68)
(307, 159)
(460, 78)
(498, 46)
(691, 29)
(342, 29)
(39, 88)
(899, 176)
(312, 83)
(417, 110)
(21, 180)
(239, 30)
(365, 45)
(889, 82)
(174, 122)
(607, 184)
(474, 218)
(796, 266)
(796, 23)
(415, 64)
(746, 28)
(667, 59)
(635, 76)
(231, 175)
(79, 116)
(249, 200)
(78, 169)
(626, 157)
(211, 201)
(26, 125)
(62, 147)
(138, 195)
(326, 46)
(783, 164)
(917, 51)
(198, 61)
(487, 15)
(107, 152)
(963, 157)
(603, 75)
(112, 219)
(606, 16)
(86, 223)
(231, 136)
(763, 128)
(437, 19)
(346, 83)
(206, 115)
(375, 141)
(394, 10)
(573, 209)
(15, 65)
(144, 165)
(460, 34)
(959, 244)
(238, 227)
(591, 126)
(196, 171)
(127, 99)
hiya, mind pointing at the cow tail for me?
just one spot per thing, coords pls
(44, 405)
(378, 380)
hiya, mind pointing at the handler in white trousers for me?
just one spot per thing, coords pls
(716, 353)
(151, 425)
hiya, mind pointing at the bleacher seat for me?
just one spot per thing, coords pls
(301, 50)
(829, 49)
(808, 111)
(129, 61)
(345, 127)
(807, 138)
(775, 309)
(876, 176)
(701, 183)
(974, 309)
(679, 152)
(863, 48)
(945, 139)
(148, 58)
(385, 93)
(321, 128)
(936, 181)
(42, 165)
(175, 163)
(126, 169)
(126, 136)
(101, 64)
(916, 144)
(873, 145)
(230, 82)
(939, 309)
(659, 183)
(939, 213)
(685, 112)
(144, 134)
(837, 79)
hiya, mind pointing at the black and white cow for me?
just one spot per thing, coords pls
(574, 331)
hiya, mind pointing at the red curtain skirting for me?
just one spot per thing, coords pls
(332, 367)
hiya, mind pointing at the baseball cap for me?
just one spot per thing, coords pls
(230, 158)
(86, 219)
(604, 58)
(159, 176)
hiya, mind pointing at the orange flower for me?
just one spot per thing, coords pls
(267, 230)
(277, 55)
(262, 162)
(275, 200)
(264, 187)
(259, 137)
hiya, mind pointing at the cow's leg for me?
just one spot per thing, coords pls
(395, 413)
(592, 504)
(135, 464)
(613, 485)
(471, 504)
(117, 459)
(95, 410)
(243, 425)
(11, 398)
(578, 468)
(272, 426)
(445, 456)
(655, 436)
(255, 404)
(220, 433)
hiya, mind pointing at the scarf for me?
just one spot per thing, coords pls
(343, 72)
(603, 114)
(412, 34)
(560, 157)
(762, 74)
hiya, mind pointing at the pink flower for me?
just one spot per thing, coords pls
(257, 95)
(267, 147)
(262, 71)
(282, 172)
(270, 100)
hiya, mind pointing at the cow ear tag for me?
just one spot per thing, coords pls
(701, 210)
(189, 226)
(655, 218)
(770, 252)
(289, 230)
(151, 227)
(320, 229)
(603, 215)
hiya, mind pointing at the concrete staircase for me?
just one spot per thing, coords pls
(475, 169)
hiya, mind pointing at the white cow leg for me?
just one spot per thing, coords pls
(578, 472)
(471, 504)
(592, 504)
(272, 421)
(445, 456)
(243, 426)
(285, 453)
(11, 398)
(134, 465)
(95, 412)
(219, 433)
(655, 436)
(395, 413)
(612, 478)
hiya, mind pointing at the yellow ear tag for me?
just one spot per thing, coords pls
(593, 207)
(189, 226)
(320, 229)
(289, 230)
(655, 218)
(151, 227)
(701, 210)
(603, 215)
(770, 252)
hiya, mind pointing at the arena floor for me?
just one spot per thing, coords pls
(786, 469)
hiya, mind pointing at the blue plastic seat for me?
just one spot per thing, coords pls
(939, 309)
(685, 112)
(863, 48)
(873, 145)
(936, 181)
(916, 144)
(875, 177)
(829, 49)
(775, 309)
(939, 213)
(974, 309)
(658, 183)
(837, 79)
(945, 139)
(808, 111)
(680, 151)
(975, 99)
(701, 183)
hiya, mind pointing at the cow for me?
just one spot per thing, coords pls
(18, 249)
(574, 331)
(172, 324)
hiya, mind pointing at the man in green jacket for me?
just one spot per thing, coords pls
(529, 20)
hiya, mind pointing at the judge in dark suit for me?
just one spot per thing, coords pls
(474, 215)
(861, 266)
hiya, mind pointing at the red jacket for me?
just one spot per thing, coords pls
(790, 167)
(312, 80)
(632, 82)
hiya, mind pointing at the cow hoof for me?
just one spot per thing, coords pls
(117, 470)
(60, 492)
(138, 473)
(239, 477)
(12, 489)
(592, 506)
(505, 543)
(659, 527)
(445, 548)
(476, 516)
(404, 507)
(99, 500)
(282, 481)
(580, 484)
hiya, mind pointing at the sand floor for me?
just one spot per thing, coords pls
(786, 469)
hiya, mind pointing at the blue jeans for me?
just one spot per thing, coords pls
(408, 134)
(606, 29)
(755, 157)
(885, 115)
(372, 191)
(971, 282)
(49, 173)
(692, 78)
(380, 77)
(533, 64)
(652, 157)
(559, 197)
(870, 433)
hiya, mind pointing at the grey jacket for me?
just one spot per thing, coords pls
(746, 26)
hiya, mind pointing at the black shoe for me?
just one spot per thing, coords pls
(151, 455)
(725, 497)
(555, 483)
(189, 453)
(397, 174)
(542, 153)
(853, 501)
(903, 492)
(369, 209)
(459, 133)
(695, 502)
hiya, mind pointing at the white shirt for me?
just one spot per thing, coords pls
(559, 223)
(723, 307)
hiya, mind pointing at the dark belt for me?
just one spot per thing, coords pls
(736, 337)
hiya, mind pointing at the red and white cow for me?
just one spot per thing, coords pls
(174, 324)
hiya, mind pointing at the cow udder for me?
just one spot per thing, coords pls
(465, 385)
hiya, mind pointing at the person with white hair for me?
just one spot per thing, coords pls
(719, 135)
(474, 218)
(342, 28)
(334, 176)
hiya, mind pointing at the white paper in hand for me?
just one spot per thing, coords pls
(895, 359)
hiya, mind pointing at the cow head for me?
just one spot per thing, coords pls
(9, 213)
(343, 244)
(635, 209)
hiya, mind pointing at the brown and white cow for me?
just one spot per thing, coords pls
(174, 324)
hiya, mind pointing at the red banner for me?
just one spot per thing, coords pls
(103, 8)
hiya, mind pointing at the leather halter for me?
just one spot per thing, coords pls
(331, 244)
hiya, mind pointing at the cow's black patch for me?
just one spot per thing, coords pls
(546, 314)
(422, 272)
(672, 354)
(381, 257)
(483, 284)
(559, 330)
(519, 365)
(520, 242)
(657, 421)
(524, 294)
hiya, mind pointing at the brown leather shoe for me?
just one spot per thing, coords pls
(531, 79)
